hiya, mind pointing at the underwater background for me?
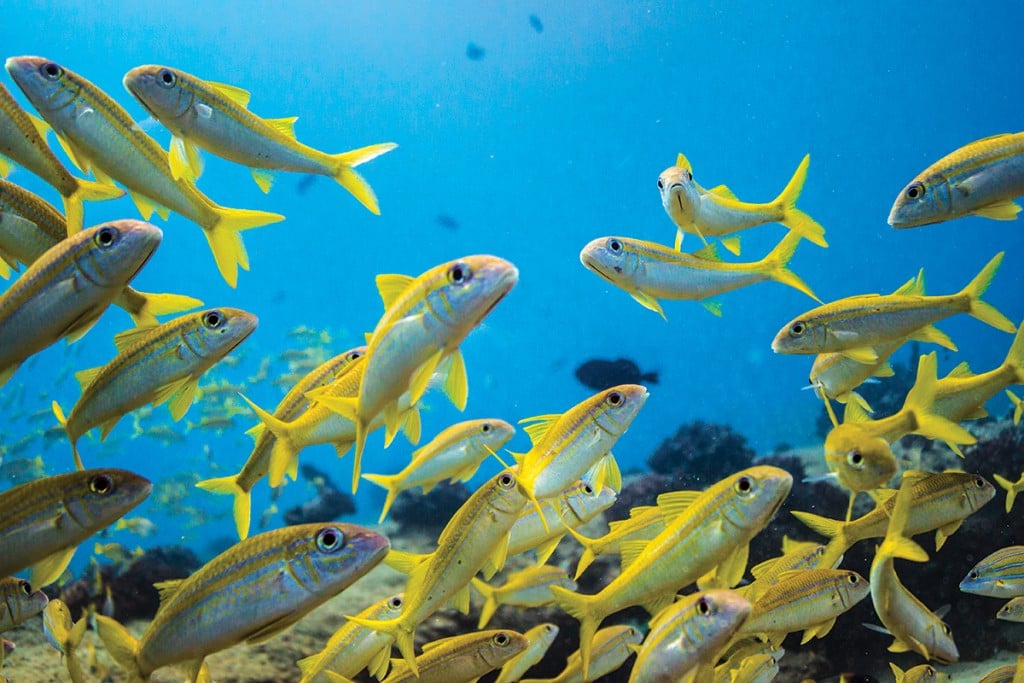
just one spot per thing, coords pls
(527, 144)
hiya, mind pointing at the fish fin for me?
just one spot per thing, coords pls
(265, 633)
(412, 425)
(239, 96)
(896, 544)
(629, 551)
(421, 378)
(675, 503)
(242, 504)
(732, 245)
(284, 448)
(164, 393)
(1000, 211)
(776, 265)
(944, 532)
(656, 605)
(153, 305)
(709, 252)
(723, 191)
(264, 178)
(49, 569)
(379, 663)
(86, 191)
(884, 370)
(985, 312)
(389, 482)
(225, 242)
(391, 286)
(184, 159)
(496, 561)
(80, 327)
(167, 589)
(460, 600)
(547, 548)
(712, 307)
(539, 427)
(108, 426)
(586, 609)
(792, 217)
(854, 397)
(732, 569)
(818, 631)
(1018, 404)
(285, 126)
(933, 335)
(456, 386)
(5, 167)
(898, 673)
(86, 377)
(78, 159)
(405, 562)
(182, 399)
(648, 302)
(490, 605)
(854, 413)
(1015, 360)
(862, 354)
(920, 403)
(683, 162)
(125, 340)
(145, 205)
(121, 645)
(343, 171)
(8, 372)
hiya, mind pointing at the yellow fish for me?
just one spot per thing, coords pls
(612, 646)
(460, 659)
(64, 637)
(529, 587)
(922, 673)
(540, 637)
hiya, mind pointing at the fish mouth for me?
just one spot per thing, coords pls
(592, 264)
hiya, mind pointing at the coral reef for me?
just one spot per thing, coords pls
(700, 454)
(329, 504)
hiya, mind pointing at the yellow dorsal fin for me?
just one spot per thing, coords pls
(709, 252)
(675, 503)
(237, 95)
(962, 370)
(630, 550)
(722, 191)
(85, 377)
(391, 286)
(854, 413)
(762, 568)
(683, 162)
(129, 338)
(167, 589)
(884, 370)
(284, 126)
(912, 287)
(541, 425)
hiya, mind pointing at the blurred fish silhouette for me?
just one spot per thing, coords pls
(600, 374)
(305, 182)
(536, 24)
(446, 221)
(475, 52)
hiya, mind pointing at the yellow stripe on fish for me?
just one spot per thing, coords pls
(999, 575)
(529, 587)
(462, 658)
(612, 646)
(540, 637)
(64, 636)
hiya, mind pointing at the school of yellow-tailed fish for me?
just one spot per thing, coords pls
(731, 629)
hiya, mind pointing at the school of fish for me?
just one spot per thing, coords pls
(731, 628)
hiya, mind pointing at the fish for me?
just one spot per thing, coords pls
(717, 212)
(648, 271)
(446, 221)
(998, 575)
(18, 602)
(1011, 488)
(215, 117)
(425, 319)
(1012, 610)
(140, 526)
(460, 659)
(922, 673)
(796, 556)
(644, 523)
(599, 374)
(154, 365)
(251, 592)
(23, 140)
(454, 454)
(353, 648)
(20, 470)
(529, 587)
(1009, 673)
(980, 179)
(117, 553)
(855, 324)
(540, 637)
(65, 291)
(686, 637)
(43, 522)
(760, 667)
(536, 24)
(712, 530)
(64, 636)
(99, 134)
(612, 646)
(475, 52)
(478, 531)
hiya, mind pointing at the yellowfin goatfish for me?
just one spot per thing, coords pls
(1000, 575)
(18, 602)
(353, 648)
(425, 319)
(43, 228)
(688, 636)
(257, 465)
(1008, 673)
(922, 673)
(455, 454)
(717, 212)
(649, 271)
(714, 529)
(529, 587)
(22, 139)
(541, 638)
(154, 365)
(42, 522)
(796, 556)
(855, 324)
(460, 659)
(478, 531)
(1012, 610)
(644, 523)
(214, 116)
(1011, 488)
(67, 289)
(612, 646)
(913, 626)
(760, 667)
(981, 178)
(251, 592)
(64, 637)
(99, 134)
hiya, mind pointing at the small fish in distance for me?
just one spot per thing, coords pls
(536, 23)
(475, 52)
(598, 374)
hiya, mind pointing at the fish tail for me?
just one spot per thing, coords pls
(490, 601)
(74, 640)
(792, 217)
(1018, 406)
(836, 530)
(985, 312)
(121, 645)
(284, 451)
(1011, 490)
(397, 629)
(153, 305)
(344, 173)
(776, 265)
(87, 191)
(920, 405)
(389, 482)
(590, 550)
(1015, 357)
(584, 609)
(896, 544)
(229, 485)
(59, 414)
(225, 242)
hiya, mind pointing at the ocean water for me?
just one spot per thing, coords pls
(547, 141)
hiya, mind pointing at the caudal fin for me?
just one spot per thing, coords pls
(792, 217)
(396, 628)
(284, 451)
(391, 483)
(226, 243)
(836, 530)
(346, 176)
(585, 609)
(896, 544)
(920, 405)
(1011, 489)
(1015, 357)
(121, 645)
(87, 191)
(776, 265)
(987, 313)
(242, 506)
(144, 308)
(490, 601)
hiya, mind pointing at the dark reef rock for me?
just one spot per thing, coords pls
(329, 504)
(700, 454)
(428, 513)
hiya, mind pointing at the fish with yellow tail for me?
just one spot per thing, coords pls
(99, 134)
(913, 626)
(66, 290)
(980, 179)
(760, 666)
(1011, 488)
(215, 116)
(257, 466)
(718, 213)
(425, 319)
(796, 556)
(922, 673)
(251, 592)
(64, 636)
(23, 140)
(18, 602)
(649, 272)
(154, 365)
(540, 637)
(529, 587)
(709, 530)
(611, 648)
(460, 659)
(43, 522)
(852, 326)
(687, 637)
(456, 454)
(477, 532)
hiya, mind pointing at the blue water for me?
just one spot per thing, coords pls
(548, 141)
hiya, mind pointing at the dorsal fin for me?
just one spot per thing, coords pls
(167, 589)
(962, 370)
(629, 551)
(674, 503)
(86, 377)
(129, 338)
(391, 286)
(854, 413)
(284, 126)
(237, 95)
(541, 425)
(722, 191)
(683, 162)
(709, 252)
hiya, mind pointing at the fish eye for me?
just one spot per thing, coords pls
(855, 458)
(973, 575)
(549, 627)
(915, 191)
(588, 489)
(166, 78)
(51, 71)
(744, 485)
(797, 329)
(689, 176)
(395, 602)
(330, 539)
(354, 355)
(703, 607)
(819, 551)
(506, 480)
(26, 587)
(661, 184)
(501, 639)
(854, 579)
(459, 273)
(929, 671)
(946, 630)
(614, 399)
(980, 482)
(486, 427)
(213, 319)
(105, 236)
(614, 246)
(101, 484)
